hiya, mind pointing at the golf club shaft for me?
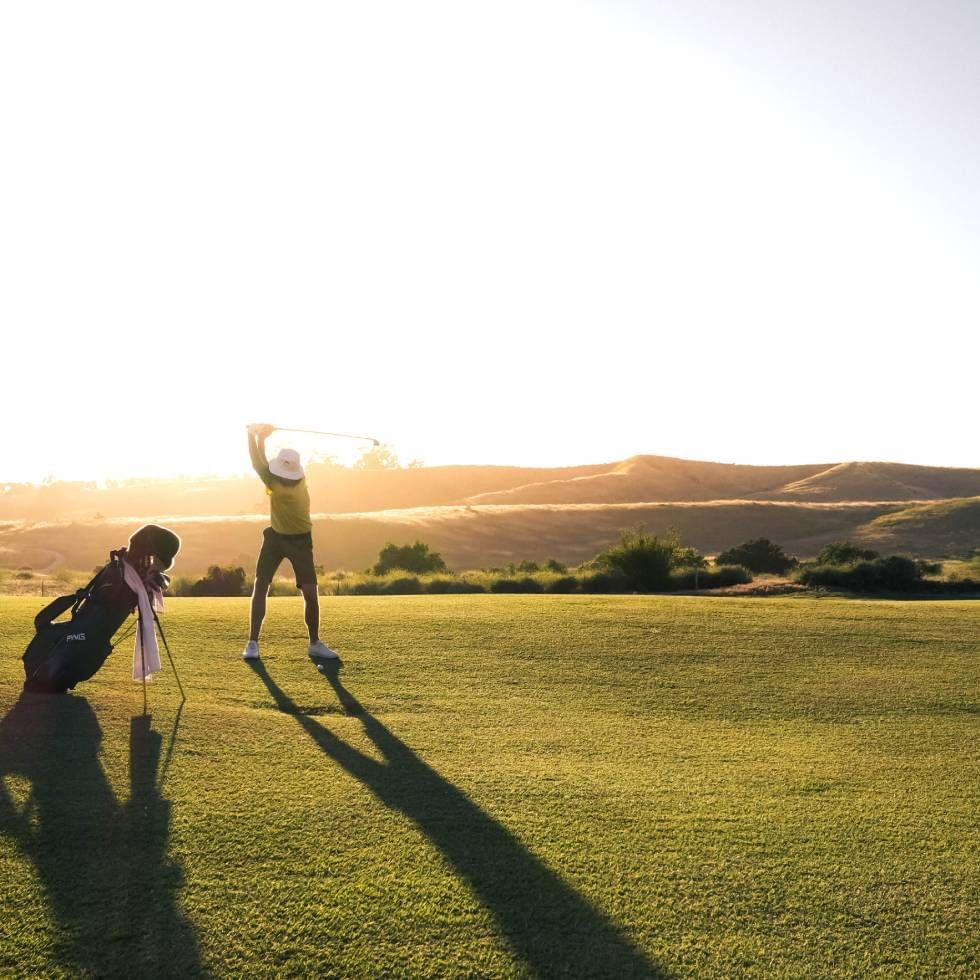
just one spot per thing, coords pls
(336, 435)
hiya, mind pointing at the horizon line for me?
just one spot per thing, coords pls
(53, 479)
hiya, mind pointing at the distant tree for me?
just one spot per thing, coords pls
(324, 459)
(689, 558)
(758, 555)
(377, 458)
(693, 559)
(221, 581)
(553, 565)
(843, 553)
(415, 558)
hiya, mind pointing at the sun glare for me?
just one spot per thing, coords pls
(536, 233)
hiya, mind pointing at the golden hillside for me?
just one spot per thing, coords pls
(481, 516)
(881, 481)
(640, 479)
(655, 478)
(481, 536)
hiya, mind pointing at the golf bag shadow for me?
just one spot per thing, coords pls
(62, 654)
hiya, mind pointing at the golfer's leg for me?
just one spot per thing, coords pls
(259, 591)
(270, 558)
(312, 600)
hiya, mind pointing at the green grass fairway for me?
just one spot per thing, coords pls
(502, 786)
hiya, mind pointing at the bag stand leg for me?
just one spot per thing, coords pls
(170, 657)
(166, 646)
(142, 659)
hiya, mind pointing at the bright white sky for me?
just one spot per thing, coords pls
(522, 232)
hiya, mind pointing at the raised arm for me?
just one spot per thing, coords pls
(257, 434)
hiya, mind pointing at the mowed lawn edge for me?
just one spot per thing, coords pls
(504, 786)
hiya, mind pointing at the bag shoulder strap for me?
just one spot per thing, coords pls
(55, 609)
(62, 604)
(85, 593)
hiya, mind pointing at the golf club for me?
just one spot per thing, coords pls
(335, 435)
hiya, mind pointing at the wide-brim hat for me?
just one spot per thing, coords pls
(287, 465)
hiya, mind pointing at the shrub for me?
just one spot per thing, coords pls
(563, 585)
(515, 585)
(403, 586)
(843, 553)
(605, 583)
(710, 578)
(181, 585)
(528, 567)
(641, 560)
(727, 575)
(947, 586)
(408, 558)
(333, 584)
(446, 586)
(758, 555)
(891, 574)
(898, 574)
(221, 582)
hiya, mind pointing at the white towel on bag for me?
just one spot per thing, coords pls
(145, 649)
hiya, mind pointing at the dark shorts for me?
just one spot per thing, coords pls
(298, 548)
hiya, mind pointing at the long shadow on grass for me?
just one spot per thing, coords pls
(548, 925)
(111, 889)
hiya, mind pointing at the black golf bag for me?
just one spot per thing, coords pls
(62, 654)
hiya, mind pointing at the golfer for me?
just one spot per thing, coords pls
(291, 537)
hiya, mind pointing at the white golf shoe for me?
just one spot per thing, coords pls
(320, 651)
(251, 651)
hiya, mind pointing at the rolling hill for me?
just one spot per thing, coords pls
(482, 516)
(495, 535)
(662, 478)
(881, 481)
(639, 479)
(945, 527)
(655, 478)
